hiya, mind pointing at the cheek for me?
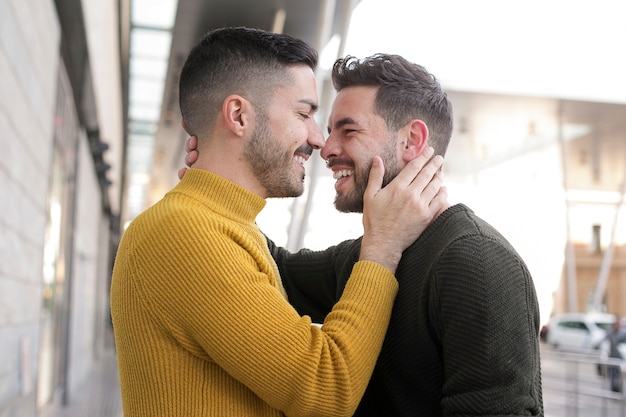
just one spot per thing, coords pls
(362, 166)
(296, 131)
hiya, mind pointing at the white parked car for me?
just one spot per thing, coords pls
(578, 331)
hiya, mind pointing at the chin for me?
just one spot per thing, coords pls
(345, 205)
(296, 192)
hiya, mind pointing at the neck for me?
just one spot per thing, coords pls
(230, 164)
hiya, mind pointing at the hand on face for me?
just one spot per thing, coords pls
(395, 216)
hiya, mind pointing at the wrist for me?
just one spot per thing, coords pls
(386, 255)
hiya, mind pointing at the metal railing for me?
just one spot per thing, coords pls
(582, 379)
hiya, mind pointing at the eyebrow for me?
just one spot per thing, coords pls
(343, 122)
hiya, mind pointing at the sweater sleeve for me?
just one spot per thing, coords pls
(487, 318)
(215, 294)
(311, 278)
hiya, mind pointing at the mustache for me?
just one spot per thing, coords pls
(305, 150)
(338, 161)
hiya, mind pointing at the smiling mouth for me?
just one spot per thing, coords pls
(342, 173)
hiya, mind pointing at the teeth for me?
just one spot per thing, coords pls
(343, 173)
(299, 159)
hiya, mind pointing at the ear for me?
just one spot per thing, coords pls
(415, 139)
(237, 114)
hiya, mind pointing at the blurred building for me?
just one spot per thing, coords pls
(591, 264)
(90, 137)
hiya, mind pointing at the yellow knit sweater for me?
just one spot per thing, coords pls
(202, 326)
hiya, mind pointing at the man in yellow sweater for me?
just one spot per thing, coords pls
(201, 321)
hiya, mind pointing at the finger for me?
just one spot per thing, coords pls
(440, 199)
(408, 173)
(191, 158)
(375, 180)
(191, 144)
(181, 173)
(427, 174)
(433, 188)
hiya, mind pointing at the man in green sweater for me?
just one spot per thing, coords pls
(463, 336)
(201, 319)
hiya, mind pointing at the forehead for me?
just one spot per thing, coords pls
(301, 88)
(353, 102)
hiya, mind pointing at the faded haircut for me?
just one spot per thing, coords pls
(237, 60)
(406, 91)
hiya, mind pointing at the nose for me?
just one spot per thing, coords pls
(330, 148)
(316, 138)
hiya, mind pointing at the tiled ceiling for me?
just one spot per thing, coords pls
(150, 35)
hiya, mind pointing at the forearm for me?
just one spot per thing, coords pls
(314, 280)
(235, 318)
(291, 365)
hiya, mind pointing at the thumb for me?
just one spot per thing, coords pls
(375, 180)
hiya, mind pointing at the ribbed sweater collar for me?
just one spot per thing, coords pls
(221, 195)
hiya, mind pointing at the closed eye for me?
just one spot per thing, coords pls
(345, 132)
(343, 124)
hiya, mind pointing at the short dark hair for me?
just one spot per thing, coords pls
(236, 60)
(406, 91)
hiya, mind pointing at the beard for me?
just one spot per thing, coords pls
(352, 201)
(272, 163)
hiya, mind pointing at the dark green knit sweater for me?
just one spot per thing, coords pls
(463, 338)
